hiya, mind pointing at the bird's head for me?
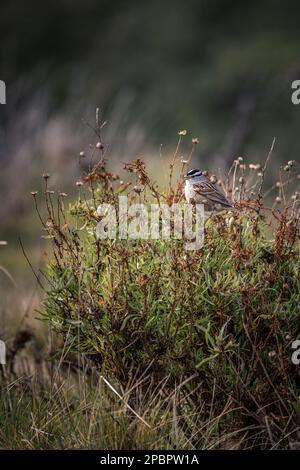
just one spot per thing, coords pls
(193, 174)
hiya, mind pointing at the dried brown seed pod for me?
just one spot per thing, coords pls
(137, 189)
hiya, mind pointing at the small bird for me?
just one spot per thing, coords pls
(200, 190)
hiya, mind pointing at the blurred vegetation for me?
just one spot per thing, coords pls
(202, 65)
(221, 69)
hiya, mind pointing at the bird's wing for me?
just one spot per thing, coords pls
(211, 193)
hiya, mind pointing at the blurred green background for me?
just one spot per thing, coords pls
(222, 69)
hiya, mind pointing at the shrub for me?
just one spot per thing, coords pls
(221, 318)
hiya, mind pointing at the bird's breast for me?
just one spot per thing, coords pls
(188, 191)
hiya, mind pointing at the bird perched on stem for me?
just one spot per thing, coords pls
(200, 190)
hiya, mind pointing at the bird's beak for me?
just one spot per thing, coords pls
(185, 177)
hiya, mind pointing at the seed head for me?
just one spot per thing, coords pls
(45, 176)
(195, 141)
(82, 154)
(99, 145)
(254, 167)
(33, 193)
(79, 183)
(137, 189)
(183, 132)
(278, 200)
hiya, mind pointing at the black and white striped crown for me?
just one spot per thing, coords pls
(193, 173)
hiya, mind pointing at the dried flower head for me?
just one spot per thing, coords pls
(195, 141)
(278, 200)
(79, 183)
(82, 154)
(254, 166)
(183, 132)
(99, 145)
(137, 189)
